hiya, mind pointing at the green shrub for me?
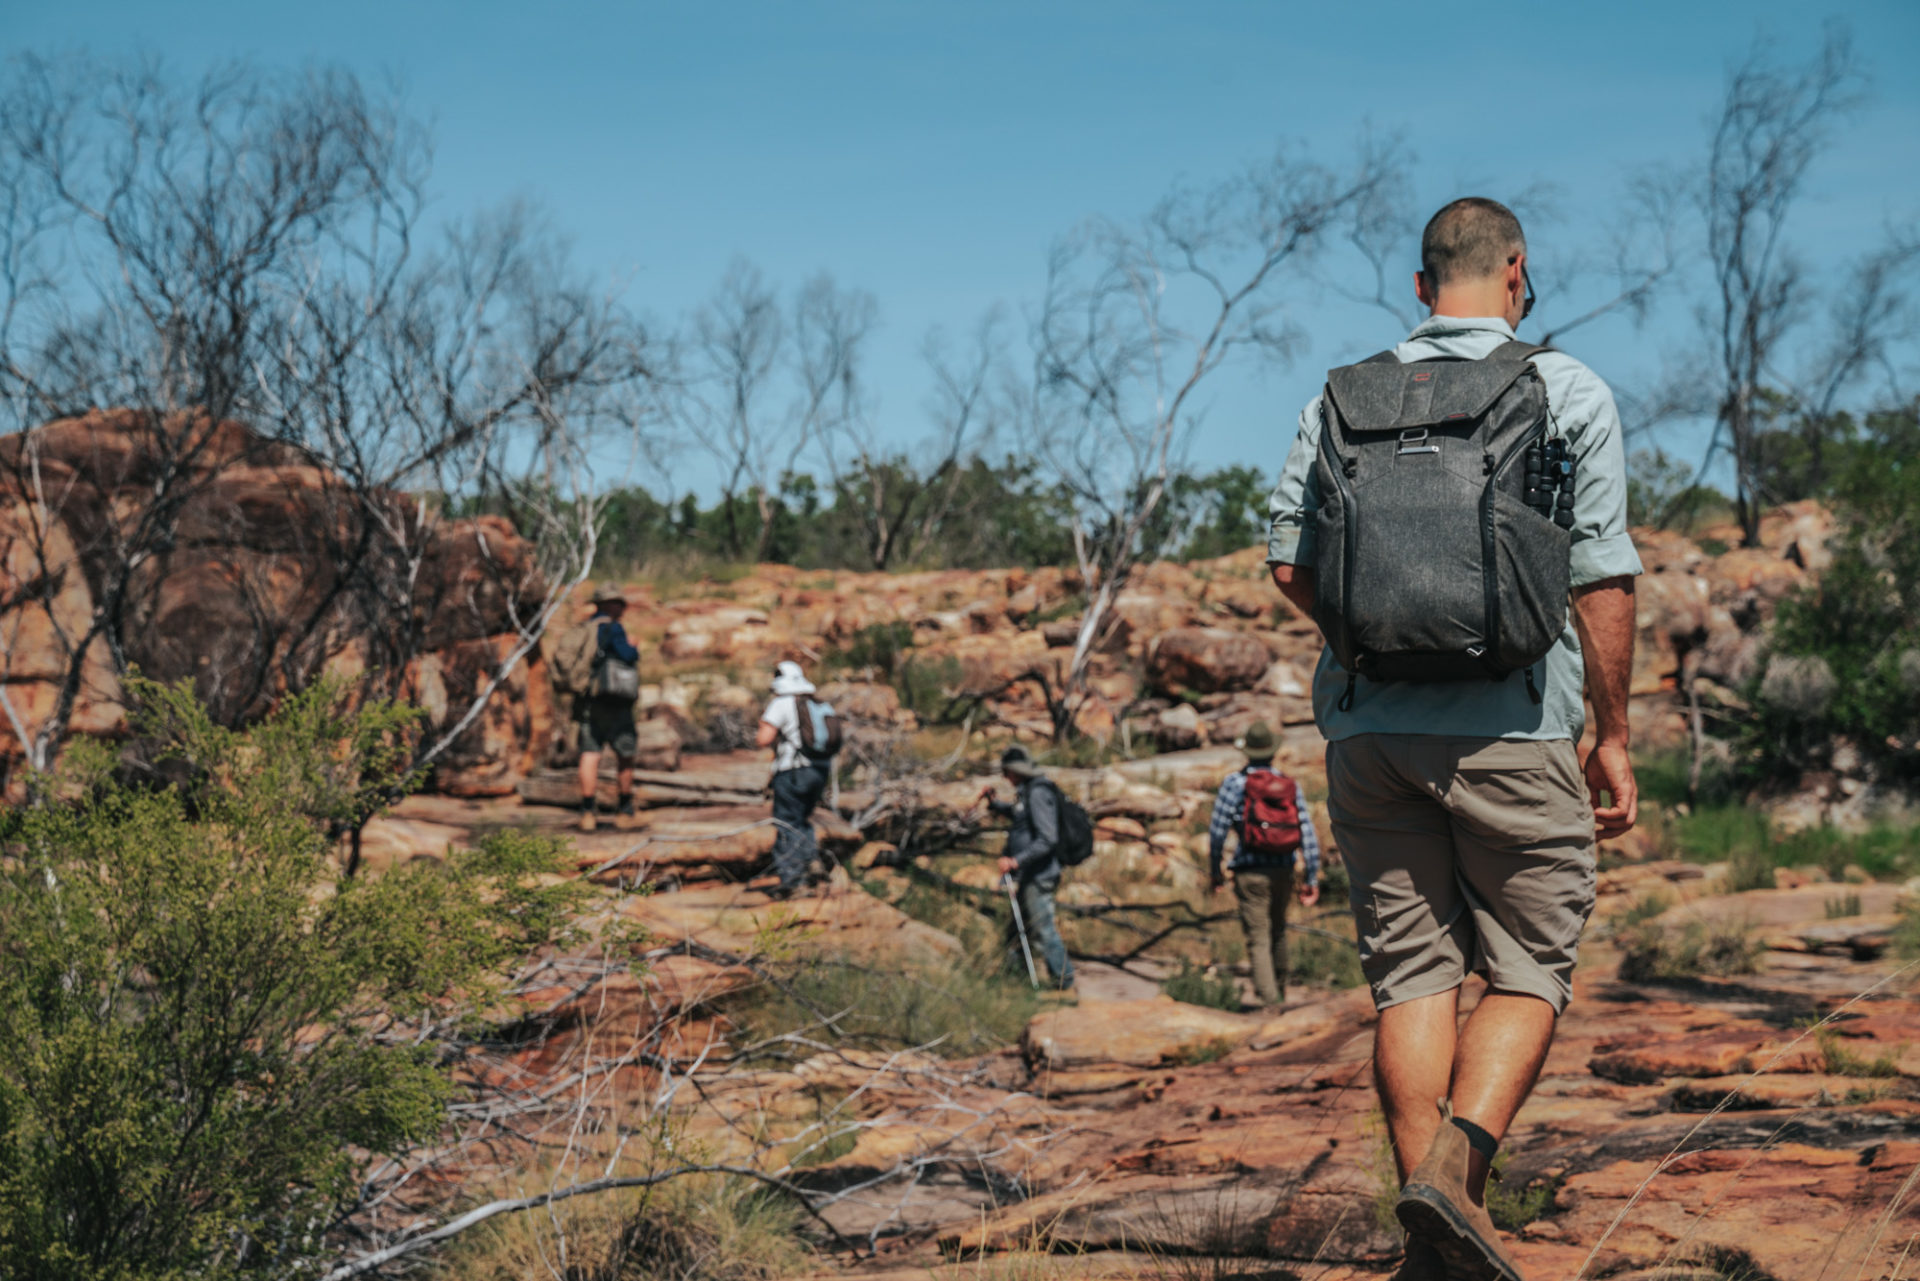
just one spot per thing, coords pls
(1844, 655)
(1319, 961)
(1210, 1050)
(207, 1035)
(877, 647)
(965, 1009)
(1514, 1207)
(1651, 951)
(708, 1227)
(1194, 985)
(1839, 1059)
(1749, 869)
(1905, 939)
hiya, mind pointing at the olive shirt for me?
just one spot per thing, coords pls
(1580, 409)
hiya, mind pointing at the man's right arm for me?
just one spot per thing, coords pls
(1292, 508)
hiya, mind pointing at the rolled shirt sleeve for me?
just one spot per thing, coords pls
(1591, 421)
(1296, 499)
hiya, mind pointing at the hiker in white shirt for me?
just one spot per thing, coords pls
(798, 779)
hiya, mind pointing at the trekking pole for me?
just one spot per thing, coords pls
(1020, 928)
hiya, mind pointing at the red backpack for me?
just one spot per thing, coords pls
(1270, 821)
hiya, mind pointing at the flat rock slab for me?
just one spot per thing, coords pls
(1770, 910)
(1787, 1211)
(1143, 1034)
(844, 922)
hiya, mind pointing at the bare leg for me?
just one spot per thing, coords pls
(1413, 1053)
(626, 777)
(1502, 1050)
(590, 774)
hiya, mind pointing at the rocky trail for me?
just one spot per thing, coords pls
(1703, 1126)
(1763, 1126)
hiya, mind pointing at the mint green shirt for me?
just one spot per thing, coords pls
(1580, 408)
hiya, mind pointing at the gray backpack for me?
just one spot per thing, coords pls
(1442, 535)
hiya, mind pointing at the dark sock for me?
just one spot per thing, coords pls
(1477, 1139)
(626, 804)
(588, 804)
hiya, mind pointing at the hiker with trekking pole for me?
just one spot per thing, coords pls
(1047, 834)
(1441, 505)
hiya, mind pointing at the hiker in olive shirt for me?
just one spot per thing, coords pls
(1032, 859)
(1463, 813)
(1262, 879)
(606, 724)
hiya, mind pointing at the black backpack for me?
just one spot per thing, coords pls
(1442, 535)
(1075, 844)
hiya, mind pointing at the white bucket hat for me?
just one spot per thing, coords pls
(788, 679)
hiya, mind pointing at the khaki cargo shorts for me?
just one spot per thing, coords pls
(1463, 854)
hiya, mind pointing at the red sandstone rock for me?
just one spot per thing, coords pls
(1206, 659)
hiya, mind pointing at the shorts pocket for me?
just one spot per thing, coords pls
(1501, 790)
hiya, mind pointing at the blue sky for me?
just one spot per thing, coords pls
(930, 152)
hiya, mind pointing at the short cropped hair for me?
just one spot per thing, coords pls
(1470, 239)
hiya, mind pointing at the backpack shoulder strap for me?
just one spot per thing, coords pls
(1515, 350)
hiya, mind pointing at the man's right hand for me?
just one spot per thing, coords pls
(1219, 883)
(1609, 769)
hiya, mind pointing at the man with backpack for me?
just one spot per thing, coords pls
(1441, 503)
(1267, 812)
(1048, 834)
(804, 734)
(602, 667)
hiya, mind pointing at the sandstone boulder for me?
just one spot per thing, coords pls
(1206, 659)
(271, 573)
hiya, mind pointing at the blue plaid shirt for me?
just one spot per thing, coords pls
(1228, 809)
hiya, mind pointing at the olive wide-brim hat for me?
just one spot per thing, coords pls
(1018, 762)
(607, 592)
(1258, 742)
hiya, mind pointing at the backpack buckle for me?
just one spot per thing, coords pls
(1414, 441)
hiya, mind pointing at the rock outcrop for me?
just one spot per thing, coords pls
(249, 570)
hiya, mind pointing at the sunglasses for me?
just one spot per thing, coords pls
(1526, 305)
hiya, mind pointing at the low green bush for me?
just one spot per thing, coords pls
(1315, 960)
(1194, 985)
(964, 1009)
(1654, 951)
(209, 1032)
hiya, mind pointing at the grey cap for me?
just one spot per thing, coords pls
(607, 590)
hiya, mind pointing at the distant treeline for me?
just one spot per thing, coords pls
(977, 515)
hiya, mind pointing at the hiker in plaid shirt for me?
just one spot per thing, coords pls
(1262, 880)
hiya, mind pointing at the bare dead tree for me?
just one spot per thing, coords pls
(1135, 319)
(899, 498)
(1769, 131)
(735, 350)
(252, 285)
(177, 216)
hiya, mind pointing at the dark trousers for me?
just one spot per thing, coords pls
(1043, 932)
(795, 793)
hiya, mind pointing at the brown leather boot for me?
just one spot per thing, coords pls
(1421, 1263)
(1435, 1209)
